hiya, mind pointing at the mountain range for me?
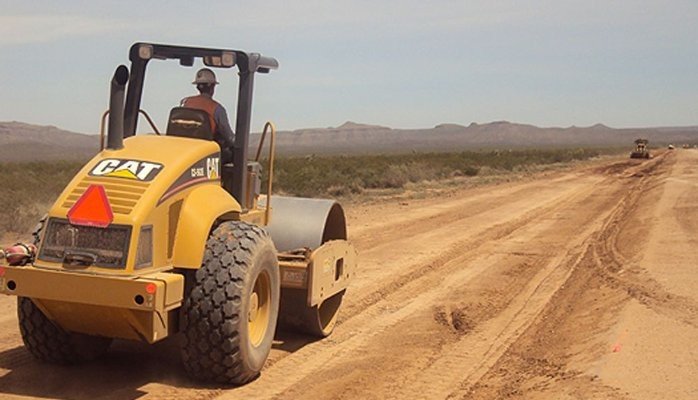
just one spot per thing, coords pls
(359, 138)
(25, 142)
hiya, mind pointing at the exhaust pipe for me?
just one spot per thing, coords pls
(115, 134)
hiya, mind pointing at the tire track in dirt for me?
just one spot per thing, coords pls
(467, 360)
(619, 271)
(601, 263)
(447, 212)
(374, 291)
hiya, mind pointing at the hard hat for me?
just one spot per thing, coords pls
(205, 76)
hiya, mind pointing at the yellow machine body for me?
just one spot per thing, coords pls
(177, 184)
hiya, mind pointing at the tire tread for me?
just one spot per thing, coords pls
(211, 313)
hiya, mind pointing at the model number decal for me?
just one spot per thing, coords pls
(197, 172)
(129, 169)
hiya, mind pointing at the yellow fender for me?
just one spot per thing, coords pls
(200, 210)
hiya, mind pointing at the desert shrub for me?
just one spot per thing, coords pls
(341, 175)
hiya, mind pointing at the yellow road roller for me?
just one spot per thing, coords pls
(155, 237)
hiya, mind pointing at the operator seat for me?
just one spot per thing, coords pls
(189, 122)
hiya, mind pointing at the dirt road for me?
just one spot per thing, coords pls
(579, 284)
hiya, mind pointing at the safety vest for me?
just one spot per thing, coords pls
(203, 103)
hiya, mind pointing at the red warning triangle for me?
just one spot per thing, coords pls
(92, 208)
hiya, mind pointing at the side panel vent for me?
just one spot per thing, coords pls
(123, 194)
(173, 212)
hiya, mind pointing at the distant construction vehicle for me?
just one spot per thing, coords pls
(641, 150)
(155, 238)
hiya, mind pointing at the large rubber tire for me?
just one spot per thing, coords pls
(49, 342)
(296, 315)
(229, 316)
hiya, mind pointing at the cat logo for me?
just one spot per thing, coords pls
(212, 167)
(128, 169)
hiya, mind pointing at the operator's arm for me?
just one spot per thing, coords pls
(225, 132)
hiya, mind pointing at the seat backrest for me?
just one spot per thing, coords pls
(189, 122)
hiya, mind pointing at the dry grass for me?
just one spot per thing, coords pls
(29, 189)
(344, 175)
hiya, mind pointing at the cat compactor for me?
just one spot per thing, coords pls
(154, 238)
(641, 150)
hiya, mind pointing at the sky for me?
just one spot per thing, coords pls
(402, 64)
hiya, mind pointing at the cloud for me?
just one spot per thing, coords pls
(24, 29)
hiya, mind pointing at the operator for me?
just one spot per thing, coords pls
(205, 82)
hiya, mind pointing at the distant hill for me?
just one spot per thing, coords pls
(23, 142)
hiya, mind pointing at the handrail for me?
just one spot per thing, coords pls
(268, 126)
(150, 121)
(104, 119)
